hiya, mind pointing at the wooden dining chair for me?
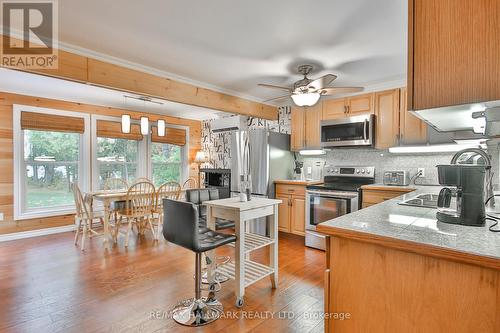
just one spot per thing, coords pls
(190, 183)
(139, 208)
(141, 180)
(84, 216)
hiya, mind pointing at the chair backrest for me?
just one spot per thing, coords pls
(82, 210)
(141, 180)
(115, 184)
(141, 198)
(190, 183)
(180, 223)
(170, 190)
(198, 196)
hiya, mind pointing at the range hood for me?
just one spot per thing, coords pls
(456, 117)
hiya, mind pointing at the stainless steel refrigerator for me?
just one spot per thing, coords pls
(269, 158)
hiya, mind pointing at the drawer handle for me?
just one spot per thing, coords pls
(291, 190)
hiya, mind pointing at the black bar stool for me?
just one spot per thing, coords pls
(198, 196)
(181, 227)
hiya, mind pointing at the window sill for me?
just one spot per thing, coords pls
(45, 213)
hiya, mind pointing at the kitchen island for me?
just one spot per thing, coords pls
(394, 268)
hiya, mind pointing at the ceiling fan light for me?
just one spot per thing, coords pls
(307, 99)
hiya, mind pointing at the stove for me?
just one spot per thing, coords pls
(339, 195)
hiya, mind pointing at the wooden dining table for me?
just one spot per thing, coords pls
(107, 197)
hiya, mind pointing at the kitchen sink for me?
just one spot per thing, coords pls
(422, 200)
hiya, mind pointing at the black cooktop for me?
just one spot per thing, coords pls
(342, 184)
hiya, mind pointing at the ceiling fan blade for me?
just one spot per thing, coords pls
(340, 90)
(275, 98)
(273, 86)
(323, 81)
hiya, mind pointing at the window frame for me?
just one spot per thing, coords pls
(142, 150)
(21, 212)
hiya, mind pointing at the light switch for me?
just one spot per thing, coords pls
(309, 169)
(1, 216)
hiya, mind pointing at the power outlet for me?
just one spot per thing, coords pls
(421, 171)
(1, 216)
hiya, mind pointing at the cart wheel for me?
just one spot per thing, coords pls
(239, 302)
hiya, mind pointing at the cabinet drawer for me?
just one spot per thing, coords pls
(291, 189)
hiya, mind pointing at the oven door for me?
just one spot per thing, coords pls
(352, 131)
(322, 206)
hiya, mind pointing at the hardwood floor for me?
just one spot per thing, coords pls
(48, 285)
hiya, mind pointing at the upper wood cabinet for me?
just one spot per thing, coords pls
(361, 104)
(305, 127)
(349, 106)
(334, 108)
(387, 118)
(297, 129)
(453, 51)
(412, 130)
(313, 126)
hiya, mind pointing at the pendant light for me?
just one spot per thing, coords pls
(144, 125)
(126, 123)
(161, 127)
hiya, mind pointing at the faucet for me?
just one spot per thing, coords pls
(489, 173)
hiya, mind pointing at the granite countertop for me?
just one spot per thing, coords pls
(298, 182)
(418, 226)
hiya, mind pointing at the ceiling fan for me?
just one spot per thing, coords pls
(307, 92)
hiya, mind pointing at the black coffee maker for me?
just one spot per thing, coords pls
(462, 200)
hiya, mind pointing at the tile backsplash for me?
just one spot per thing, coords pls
(384, 161)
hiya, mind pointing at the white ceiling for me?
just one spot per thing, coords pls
(47, 87)
(231, 45)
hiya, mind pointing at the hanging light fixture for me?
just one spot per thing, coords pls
(144, 125)
(161, 127)
(306, 99)
(126, 123)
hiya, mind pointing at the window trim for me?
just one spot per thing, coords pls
(20, 210)
(142, 150)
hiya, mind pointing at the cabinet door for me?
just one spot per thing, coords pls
(361, 104)
(298, 218)
(313, 123)
(387, 118)
(412, 130)
(297, 129)
(441, 52)
(334, 109)
(284, 213)
(486, 48)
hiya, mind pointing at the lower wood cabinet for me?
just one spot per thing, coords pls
(373, 195)
(291, 212)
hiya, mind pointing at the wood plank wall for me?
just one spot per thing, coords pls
(7, 157)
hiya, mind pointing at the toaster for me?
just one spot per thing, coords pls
(396, 178)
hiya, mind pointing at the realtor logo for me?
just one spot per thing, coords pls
(29, 34)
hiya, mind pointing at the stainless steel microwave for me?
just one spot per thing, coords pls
(348, 132)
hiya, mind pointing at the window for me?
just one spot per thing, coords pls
(116, 158)
(50, 152)
(166, 163)
(51, 162)
(117, 154)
